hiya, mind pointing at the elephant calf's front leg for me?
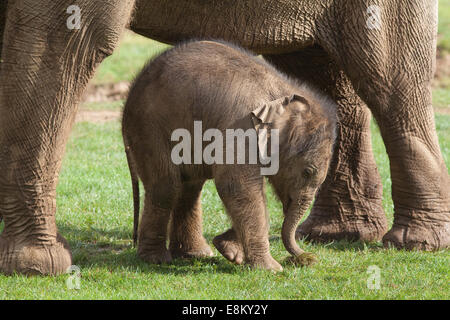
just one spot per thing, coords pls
(245, 203)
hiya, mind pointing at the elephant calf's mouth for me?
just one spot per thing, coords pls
(288, 205)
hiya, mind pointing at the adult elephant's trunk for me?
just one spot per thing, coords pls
(291, 220)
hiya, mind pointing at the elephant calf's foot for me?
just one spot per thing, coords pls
(202, 250)
(322, 227)
(415, 234)
(267, 263)
(34, 258)
(228, 245)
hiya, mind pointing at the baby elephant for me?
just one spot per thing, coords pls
(209, 110)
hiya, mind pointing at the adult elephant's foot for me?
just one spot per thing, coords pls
(346, 209)
(322, 226)
(25, 257)
(418, 234)
(349, 202)
(229, 246)
(185, 251)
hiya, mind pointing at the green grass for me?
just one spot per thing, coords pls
(95, 215)
(444, 25)
(128, 58)
(107, 105)
(441, 97)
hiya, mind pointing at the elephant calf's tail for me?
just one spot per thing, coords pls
(136, 199)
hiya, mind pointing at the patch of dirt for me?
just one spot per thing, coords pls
(100, 116)
(442, 74)
(443, 110)
(102, 93)
(106, 92)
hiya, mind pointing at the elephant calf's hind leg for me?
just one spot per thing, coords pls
(229, 246)
(159, 201)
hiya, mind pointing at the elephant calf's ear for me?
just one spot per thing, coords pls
(271, 111)
(268, 112)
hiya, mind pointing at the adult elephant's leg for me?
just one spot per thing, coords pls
(349, 202)
(391, 63)
(45, 66)
(3, 6)
(186, 236)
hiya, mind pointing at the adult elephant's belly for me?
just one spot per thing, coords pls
(266, 27)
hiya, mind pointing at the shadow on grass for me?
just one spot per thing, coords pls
(114, 251)
(121, 257)
(346, 245)
(91, 234)
(341, 245)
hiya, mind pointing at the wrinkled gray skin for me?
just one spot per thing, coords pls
(223, 87)
(46, 66)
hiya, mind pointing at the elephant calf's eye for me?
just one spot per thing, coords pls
(308, 173)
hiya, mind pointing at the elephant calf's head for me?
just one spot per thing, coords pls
(306, 127)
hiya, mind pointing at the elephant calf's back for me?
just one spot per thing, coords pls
(206, 79)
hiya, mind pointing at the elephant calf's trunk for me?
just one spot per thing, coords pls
(290, 224)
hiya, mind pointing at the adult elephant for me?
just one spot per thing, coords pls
(355, 50)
